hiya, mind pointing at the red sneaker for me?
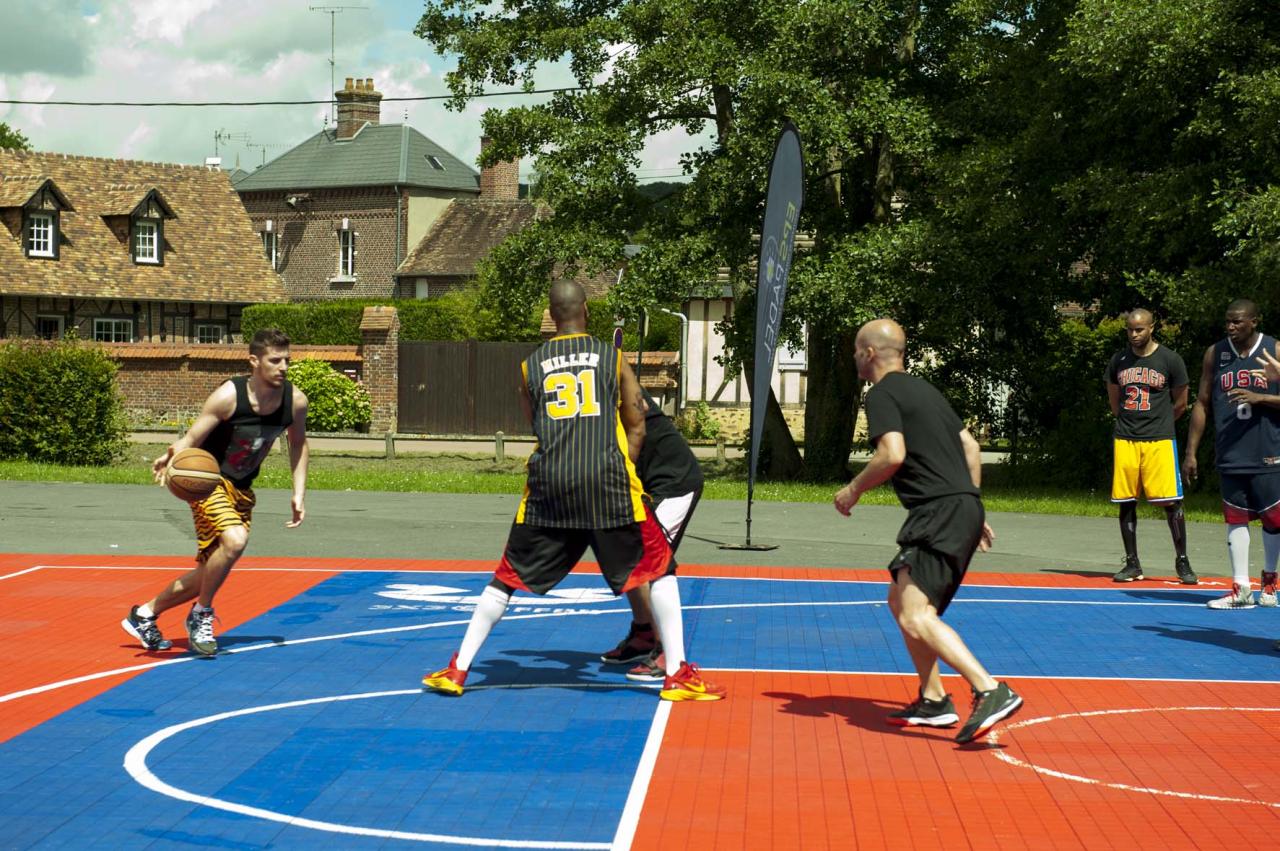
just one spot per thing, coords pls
(651, 670)
(447, 680)
(688, 684)
(636, 647)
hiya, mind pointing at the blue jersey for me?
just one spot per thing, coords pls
(1248, 436)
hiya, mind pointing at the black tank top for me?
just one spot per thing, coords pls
(242, 442)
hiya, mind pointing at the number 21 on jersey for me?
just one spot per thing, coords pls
(571, 395)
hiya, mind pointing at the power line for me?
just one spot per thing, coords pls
(517, 92)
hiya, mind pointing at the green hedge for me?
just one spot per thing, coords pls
(455, 316)
(334, 402)
(59, 403)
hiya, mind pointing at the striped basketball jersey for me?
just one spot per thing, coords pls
(241, 443)
(580, 476)
(1248, 436)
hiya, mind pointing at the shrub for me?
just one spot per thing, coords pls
(697, 423)
(334, 402)
(663, 336)
(59, 403)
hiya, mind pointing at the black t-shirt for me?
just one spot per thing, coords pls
(1146, 392)
(667, 466)
(935, 465)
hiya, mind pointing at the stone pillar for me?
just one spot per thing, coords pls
(380, 349)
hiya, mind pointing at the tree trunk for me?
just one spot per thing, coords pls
(831, 405)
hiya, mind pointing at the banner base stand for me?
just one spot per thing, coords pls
(749, 546)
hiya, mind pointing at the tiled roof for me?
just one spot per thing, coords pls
(464, 234)
(211, 253)
(17, 189)
(379, 155)
(215, 351)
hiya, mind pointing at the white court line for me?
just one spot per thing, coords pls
(630, 820)
(994, 737)
(21, 572)
(135, 762)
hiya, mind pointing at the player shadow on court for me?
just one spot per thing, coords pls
(202, 840)
(225, 643)
(571, 667)
(861, 712)
(1227, 639)
(1084, 574)
(1172, 594)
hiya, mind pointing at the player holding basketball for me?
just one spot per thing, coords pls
(1147, 388)
(238, 425)
(587, 411)
(1246, 418)
(672, 477)
(936, 468)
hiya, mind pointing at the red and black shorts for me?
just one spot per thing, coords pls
(537, 558)
(1249, 496)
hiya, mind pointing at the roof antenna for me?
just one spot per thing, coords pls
(332, 12)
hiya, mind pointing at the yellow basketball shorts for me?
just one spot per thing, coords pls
(221, 510)
(1147, 465)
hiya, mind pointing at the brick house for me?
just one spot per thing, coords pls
(338, 213)
(125, 251)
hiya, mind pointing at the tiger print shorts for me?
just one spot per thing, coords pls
(223, 509)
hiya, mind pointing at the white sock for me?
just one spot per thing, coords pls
(490, 609)
(1238, 548)
(1271, 550)
(664, 597)
(144, 611)
(201, 609)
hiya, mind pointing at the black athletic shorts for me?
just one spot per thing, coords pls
(937, 542)
(537, 558)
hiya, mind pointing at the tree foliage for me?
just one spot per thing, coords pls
(12, 139)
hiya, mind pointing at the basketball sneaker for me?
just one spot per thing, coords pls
(447, 680)
(688, 684)
(1267, 596)
(1132, 570)
(145, 630)
(1241, 597)
(652, 670)
(200, 632)
(989, 709)
(923, 712)
(1182, 565)
(639, 643)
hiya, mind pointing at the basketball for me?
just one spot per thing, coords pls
(192, 475)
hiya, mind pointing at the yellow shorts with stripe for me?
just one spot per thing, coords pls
(1147, 465)
(225, 508)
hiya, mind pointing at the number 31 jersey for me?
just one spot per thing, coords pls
(580, 476)
(1248, 436)
(1146, 386)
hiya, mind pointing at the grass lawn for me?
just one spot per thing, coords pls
(440, 473)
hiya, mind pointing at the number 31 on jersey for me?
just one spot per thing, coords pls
(571, 395)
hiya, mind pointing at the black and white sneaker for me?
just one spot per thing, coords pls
(1186, 575)
(145, 630)
(989, 709)
(924, 712)
(200, 632)
(1132, 570)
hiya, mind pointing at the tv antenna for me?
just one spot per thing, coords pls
(220, 136)
(333, 12)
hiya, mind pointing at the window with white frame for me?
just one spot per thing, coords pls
(269, 246)
(42, 235)
(146, 241)
(208, 333)
(113, 330)
(347, 253)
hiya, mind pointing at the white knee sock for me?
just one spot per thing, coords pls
(1238, 548)
(490, 609)
(1271, 549)
(664, 597)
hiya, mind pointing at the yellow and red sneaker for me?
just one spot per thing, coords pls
(447, 680)
(688, 684)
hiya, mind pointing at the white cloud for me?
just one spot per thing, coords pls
(135, 144)
(165, 19)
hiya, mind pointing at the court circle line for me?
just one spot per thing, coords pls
(135, 763)
(993, 738)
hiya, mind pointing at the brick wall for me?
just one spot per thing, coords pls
(380, 346)
(500, 180)
(307, 241)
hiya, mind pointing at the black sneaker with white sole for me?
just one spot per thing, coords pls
(924, 712)
(1186, 575)
(989, 709)
(145, 630)
(1132, 570)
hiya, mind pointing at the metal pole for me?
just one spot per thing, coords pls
(681, 394)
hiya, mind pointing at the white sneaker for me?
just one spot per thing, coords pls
(1241, 597)
(1267, 596)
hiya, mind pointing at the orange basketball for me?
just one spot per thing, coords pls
(192, 474)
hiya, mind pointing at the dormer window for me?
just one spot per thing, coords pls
(146, 241)
(42, 234)
(145, 212)
(41, 203)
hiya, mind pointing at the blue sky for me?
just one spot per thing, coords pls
(226, 50)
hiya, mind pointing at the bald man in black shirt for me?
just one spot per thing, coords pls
(936, 467)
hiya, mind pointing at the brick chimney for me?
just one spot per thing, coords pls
(500, 181)
(358, 103)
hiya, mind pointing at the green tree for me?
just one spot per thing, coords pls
(12, 139)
